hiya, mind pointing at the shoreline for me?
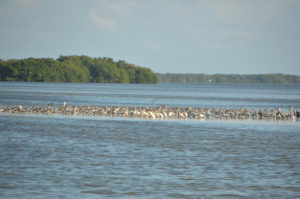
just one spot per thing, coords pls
(155, 112)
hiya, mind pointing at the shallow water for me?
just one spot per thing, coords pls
(196, 95)
(55, 156)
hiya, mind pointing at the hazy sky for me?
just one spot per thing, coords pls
(181, 36)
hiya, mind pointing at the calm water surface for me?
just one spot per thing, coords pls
(95, 157)
(199, 95)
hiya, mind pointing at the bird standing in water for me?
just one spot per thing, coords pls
(154, 102)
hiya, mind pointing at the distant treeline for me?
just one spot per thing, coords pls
(229, 79)
(74, 69)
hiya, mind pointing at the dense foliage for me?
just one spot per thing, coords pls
(74, 69)
(106, 70)
(229, 79)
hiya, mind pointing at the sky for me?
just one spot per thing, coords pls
(167, 36)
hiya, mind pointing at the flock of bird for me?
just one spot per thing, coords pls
(155, 112)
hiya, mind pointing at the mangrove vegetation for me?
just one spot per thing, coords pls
(106, 70)
(74, 69)
(229, 79)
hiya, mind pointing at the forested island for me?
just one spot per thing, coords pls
(106, 70)
(229, 79)
(74, 69)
